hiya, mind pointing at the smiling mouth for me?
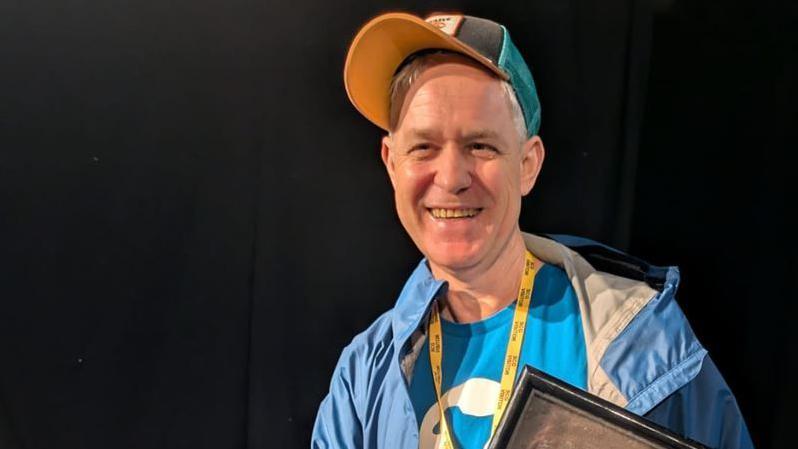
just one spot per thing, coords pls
(453, 213)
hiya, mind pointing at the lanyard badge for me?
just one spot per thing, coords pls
(511, 357)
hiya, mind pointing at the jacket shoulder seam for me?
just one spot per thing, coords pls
(700, 352)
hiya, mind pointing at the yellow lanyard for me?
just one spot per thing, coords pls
(510, 358)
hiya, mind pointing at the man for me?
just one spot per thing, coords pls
(462, 115)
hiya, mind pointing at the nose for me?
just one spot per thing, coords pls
(453, 170)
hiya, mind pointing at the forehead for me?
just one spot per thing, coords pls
(456, 95)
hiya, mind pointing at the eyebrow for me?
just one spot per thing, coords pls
(481, 134)
(431, 134)
(424, 134)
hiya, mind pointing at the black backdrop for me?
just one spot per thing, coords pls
(194, 220)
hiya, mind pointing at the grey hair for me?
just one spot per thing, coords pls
(410, 72)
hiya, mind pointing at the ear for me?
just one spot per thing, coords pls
(387, 158)
(532, 155)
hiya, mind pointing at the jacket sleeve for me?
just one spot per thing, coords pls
(337, 422)
(704, 410)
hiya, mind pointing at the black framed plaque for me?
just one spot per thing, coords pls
(545, 412)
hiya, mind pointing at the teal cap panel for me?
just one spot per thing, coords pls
(511, 61)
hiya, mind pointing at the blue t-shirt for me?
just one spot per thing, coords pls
(473, 358)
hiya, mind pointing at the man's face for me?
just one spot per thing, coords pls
(458, 165)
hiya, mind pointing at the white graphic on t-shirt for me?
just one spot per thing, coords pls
(476, 397)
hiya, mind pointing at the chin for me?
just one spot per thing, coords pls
(454, 255)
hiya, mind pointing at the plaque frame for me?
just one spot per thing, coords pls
(534, 382)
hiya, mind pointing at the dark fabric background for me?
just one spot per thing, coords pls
(194, 220)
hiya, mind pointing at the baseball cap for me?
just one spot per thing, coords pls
(383, 43)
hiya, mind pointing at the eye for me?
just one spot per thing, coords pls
(421, 150)
(483, 149)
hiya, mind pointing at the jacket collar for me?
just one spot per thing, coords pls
(414, 301)
(611, 295)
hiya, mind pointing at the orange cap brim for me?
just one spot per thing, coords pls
(380, 47)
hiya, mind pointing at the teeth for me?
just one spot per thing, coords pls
(453, 213)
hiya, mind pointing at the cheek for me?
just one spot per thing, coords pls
(502, 182)
(412, 182)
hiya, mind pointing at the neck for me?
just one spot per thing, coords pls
(477, 292)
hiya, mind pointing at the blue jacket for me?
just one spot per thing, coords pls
(642, 355)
